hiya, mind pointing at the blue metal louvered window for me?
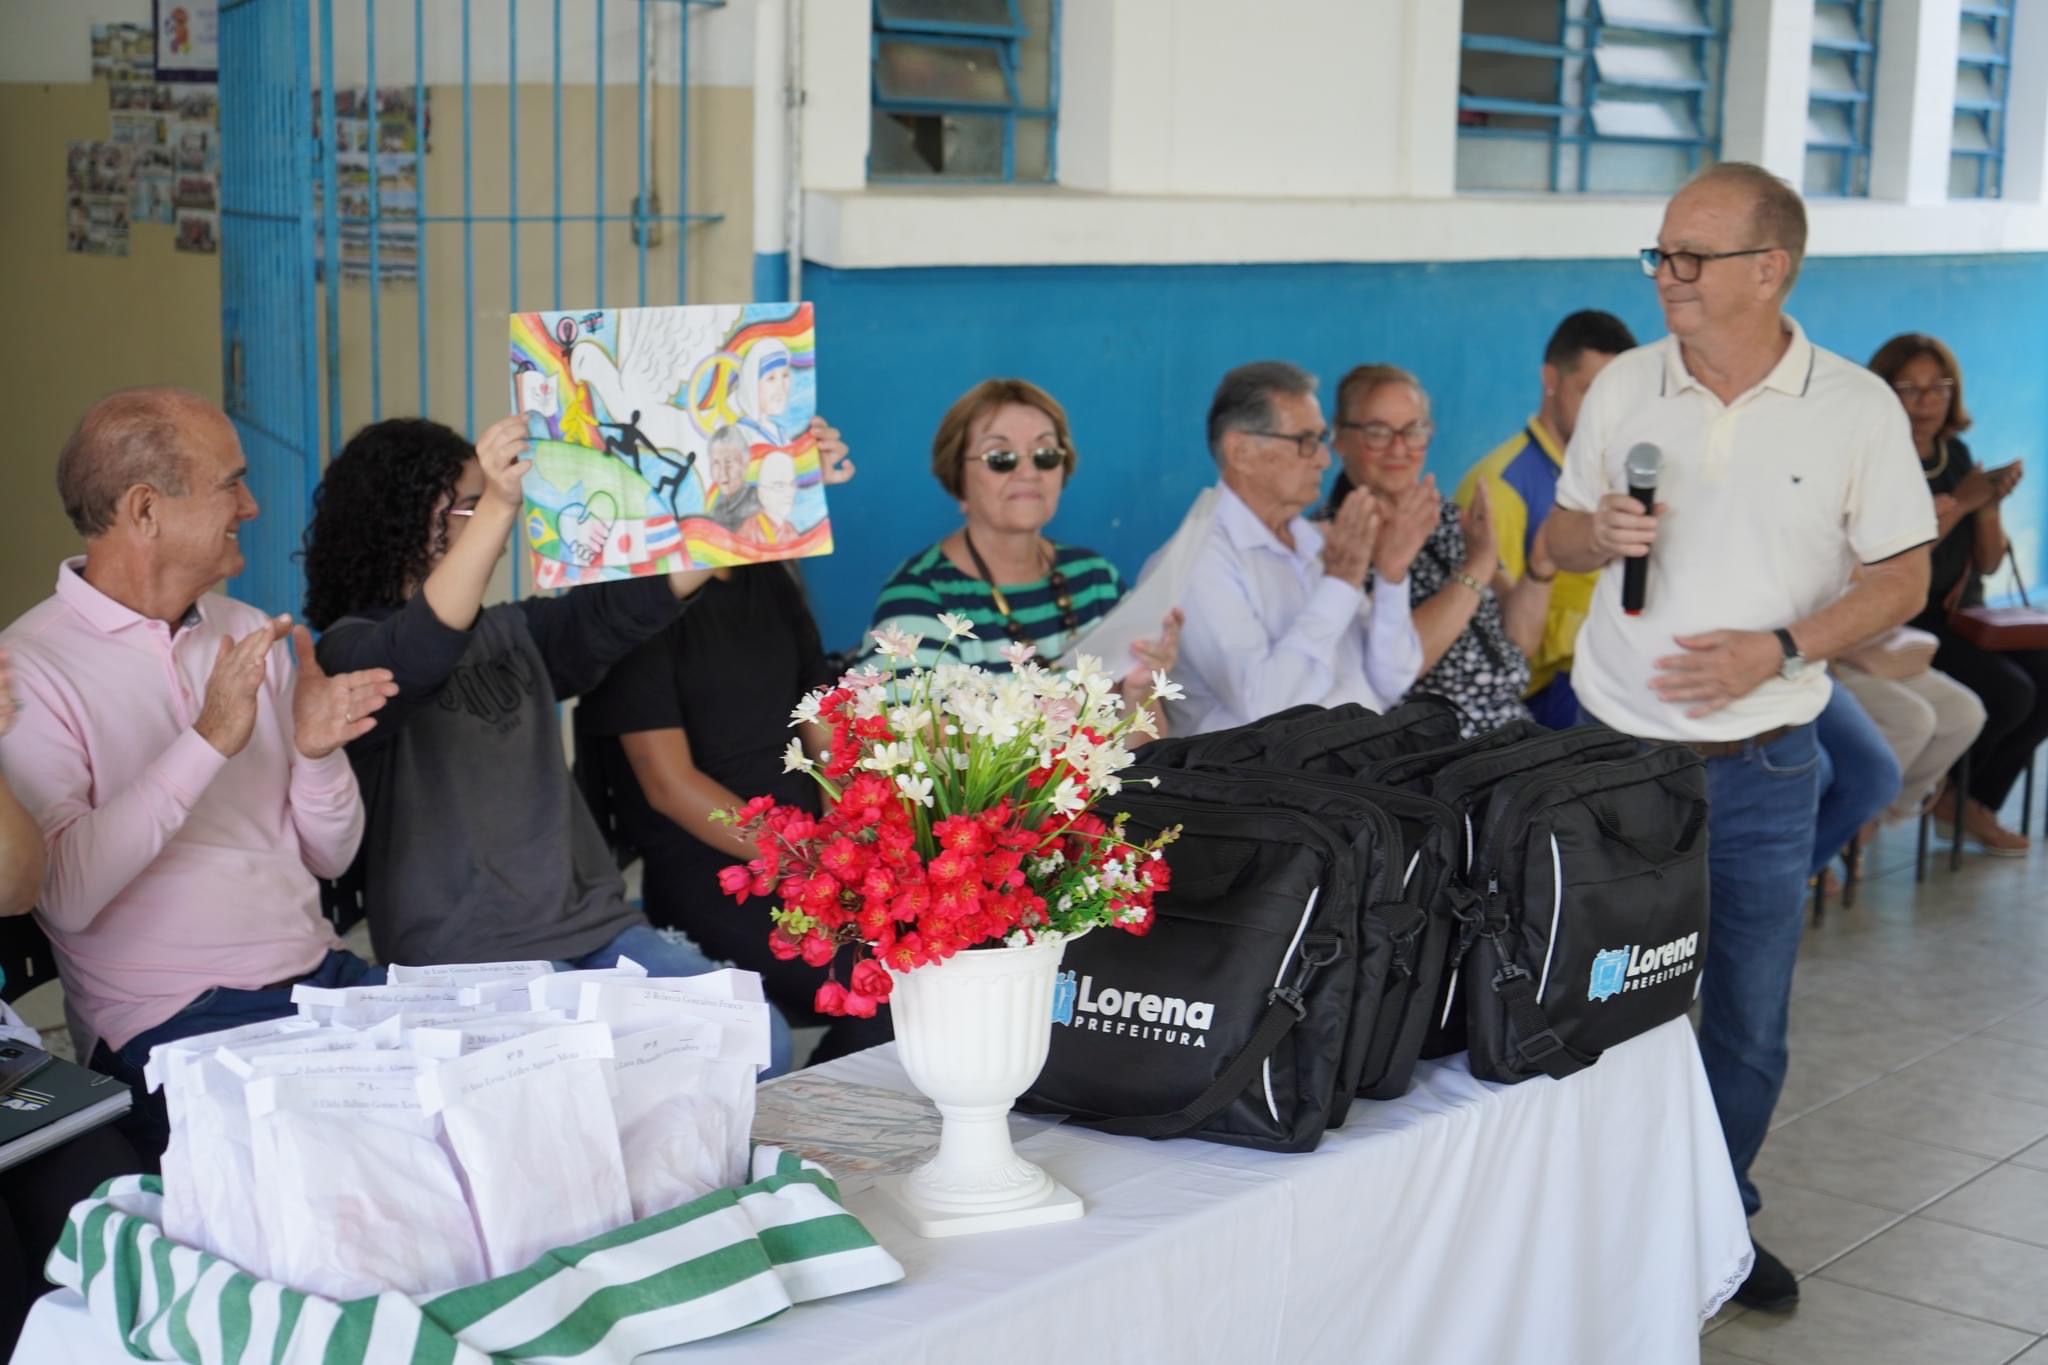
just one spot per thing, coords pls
(1983, 81)
(964, 91)
(1603, 96)
(1839, 97)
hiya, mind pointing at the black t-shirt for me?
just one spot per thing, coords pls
(1958, 549)
(726, 674)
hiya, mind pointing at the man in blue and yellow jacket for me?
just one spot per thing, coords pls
(1520, 477)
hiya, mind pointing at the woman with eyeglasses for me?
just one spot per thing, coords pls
(1477, 630)
(478, 846)
(2013, 685)
(1004, 452)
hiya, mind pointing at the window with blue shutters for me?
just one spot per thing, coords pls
(1589, 96)
(964, 90)
(1839, 97)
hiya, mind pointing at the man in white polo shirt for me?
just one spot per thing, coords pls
(1784, 466)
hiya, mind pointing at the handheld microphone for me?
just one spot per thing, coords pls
(1641, 466)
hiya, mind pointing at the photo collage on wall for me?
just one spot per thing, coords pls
(382, 137)
(160, 160)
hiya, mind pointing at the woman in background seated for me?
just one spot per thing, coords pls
(695, 721)
(1477, 630)
(1004, 453)
(2012, 685)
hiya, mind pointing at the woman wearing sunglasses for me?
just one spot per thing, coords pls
(1477, 630)
(1004, 452)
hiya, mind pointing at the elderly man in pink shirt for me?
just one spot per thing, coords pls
(188, 780)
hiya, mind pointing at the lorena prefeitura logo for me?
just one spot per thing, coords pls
(1133, 1014)
(1616, 970)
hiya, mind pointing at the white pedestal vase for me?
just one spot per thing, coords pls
(972, 1031)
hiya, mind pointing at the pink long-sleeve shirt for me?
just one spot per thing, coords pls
(171, 869)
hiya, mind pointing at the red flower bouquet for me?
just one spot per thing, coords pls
(957, 814)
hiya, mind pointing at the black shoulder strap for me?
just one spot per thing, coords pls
(1284, 1009)
(1535, 1042)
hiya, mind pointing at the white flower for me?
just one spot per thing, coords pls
(918, 789)
(896, 644)
(860, 680)
(794, 759)
(1067, 800)
(886, 758)
(806, 710)
(1166, 689)
(956, 626)
(1018, 653)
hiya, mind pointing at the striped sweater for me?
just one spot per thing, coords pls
(928, 583)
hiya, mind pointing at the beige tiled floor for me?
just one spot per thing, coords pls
(1906, 1176)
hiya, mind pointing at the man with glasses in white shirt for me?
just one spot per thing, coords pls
(1280, 614)
(1783, 466)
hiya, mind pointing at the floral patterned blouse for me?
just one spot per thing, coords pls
(1482, 673)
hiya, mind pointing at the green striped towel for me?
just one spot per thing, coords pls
(731, 1258)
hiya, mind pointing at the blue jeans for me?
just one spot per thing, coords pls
(666, 954)
(148, 1126)
(1761, 808)
(1859, 775)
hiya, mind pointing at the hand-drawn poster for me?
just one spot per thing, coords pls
(188, 40)
(669, 438)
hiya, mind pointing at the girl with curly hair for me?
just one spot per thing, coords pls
(478, 846)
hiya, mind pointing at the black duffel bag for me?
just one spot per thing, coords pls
(1232, 1020)
(1403, 844)
(1593, 913)
(1324, 753)
(1341, 739)
(1463, 777)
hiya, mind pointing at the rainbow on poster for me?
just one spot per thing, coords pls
(668, 438)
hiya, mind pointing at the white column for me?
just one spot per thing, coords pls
(1770, 56)
(1430, 109)
(1116, 107)
(2026, 110)
(1916, 100)
(772, 78)
(835, 94)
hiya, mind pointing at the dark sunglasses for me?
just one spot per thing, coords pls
(1045, 458)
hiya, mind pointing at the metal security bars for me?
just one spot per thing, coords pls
(269, 345)
(1839, 108)
(1983, 80)
(964, 90)
(1605, 96)
(475, 154)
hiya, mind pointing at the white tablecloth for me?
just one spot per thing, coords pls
(1575, 1223)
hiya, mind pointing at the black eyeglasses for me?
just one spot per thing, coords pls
(1305, 442)
(1685, 265)
(1045, 459)
(1910, 391)
(1380, 435)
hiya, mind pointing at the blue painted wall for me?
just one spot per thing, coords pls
(1134, 354)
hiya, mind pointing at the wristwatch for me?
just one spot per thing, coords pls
(1795, 665)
